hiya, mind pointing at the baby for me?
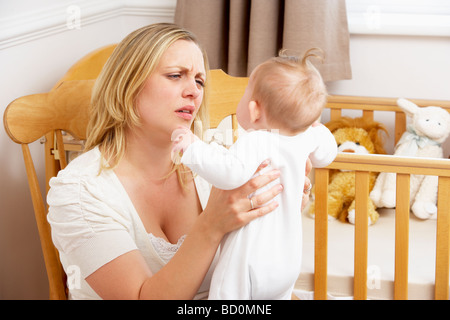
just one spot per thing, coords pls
(279, 111)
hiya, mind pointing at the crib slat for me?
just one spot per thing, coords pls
(335, 114)
(402, 237)
(368, 114)
(443, 240)
(234, 126)
(361, 234)
(400, 125)
(321, 234)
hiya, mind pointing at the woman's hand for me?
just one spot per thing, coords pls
(229, 210)
(308, 185)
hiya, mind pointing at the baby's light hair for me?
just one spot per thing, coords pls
(291, 91)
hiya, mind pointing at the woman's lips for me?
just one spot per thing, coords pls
(185, 112)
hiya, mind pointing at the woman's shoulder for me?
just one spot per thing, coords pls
(82, 173)
(86, 163)
(82, 189)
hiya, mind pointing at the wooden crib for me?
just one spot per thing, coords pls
(317, 277)
(347, 276)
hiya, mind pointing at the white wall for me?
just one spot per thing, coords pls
(414, 67)
(394, 66)
(36, 52)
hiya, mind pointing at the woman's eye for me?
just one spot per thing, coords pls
(200, 83)
(174, 76)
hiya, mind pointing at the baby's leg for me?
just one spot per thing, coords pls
(230, 280)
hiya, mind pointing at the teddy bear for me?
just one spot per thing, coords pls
(428, 127)
(353, 135)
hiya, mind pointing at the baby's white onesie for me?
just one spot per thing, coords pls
(262, 260)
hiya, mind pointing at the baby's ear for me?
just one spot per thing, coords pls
(255, 111)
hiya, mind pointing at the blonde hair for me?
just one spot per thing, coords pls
(291, 92)
(121, 80)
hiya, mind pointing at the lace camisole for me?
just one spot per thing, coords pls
(165, 249)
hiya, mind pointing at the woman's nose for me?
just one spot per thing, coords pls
(192, 89)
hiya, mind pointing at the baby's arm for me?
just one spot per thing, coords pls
(326, 149)
(224, 168)
(182, 138)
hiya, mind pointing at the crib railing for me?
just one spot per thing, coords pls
(368, 105)
(403, 167)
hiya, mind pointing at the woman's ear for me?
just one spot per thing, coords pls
(255, 111)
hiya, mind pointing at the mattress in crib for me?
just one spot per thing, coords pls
(381, 248)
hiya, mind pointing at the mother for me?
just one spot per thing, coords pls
(131, 223)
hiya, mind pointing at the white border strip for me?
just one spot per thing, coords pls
(399, 17)
(399, 24)
(62, 18)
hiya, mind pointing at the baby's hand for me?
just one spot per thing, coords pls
(182, 138)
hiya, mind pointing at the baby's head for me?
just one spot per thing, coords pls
(289, 92)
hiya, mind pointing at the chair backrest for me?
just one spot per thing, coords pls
(225, 94)
(87, 68)
(26, 120)
(29, 118)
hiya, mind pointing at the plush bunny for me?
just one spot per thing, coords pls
(428, 128)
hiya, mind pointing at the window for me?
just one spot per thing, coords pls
(399, 17)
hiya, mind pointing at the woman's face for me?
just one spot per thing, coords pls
(172, 94)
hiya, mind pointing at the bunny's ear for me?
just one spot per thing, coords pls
(410, 108)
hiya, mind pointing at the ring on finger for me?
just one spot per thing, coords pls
(309, 188)
(251, 204)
